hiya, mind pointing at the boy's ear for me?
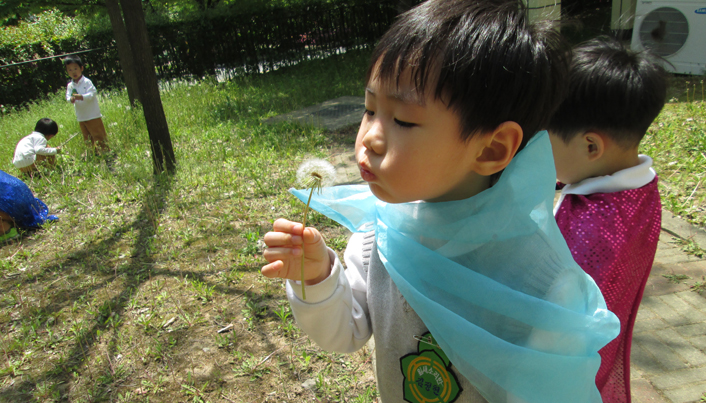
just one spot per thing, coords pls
(498, 148)
(594, 145)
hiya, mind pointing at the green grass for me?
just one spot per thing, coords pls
(677, 143)
(123, 297)
(676, 278)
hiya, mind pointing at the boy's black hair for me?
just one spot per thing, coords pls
(73, 59)
(47, 127)
(613, 91)
(486, 61)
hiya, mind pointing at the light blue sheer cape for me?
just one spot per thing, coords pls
(494, 281)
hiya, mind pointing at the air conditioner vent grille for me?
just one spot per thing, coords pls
(664, 31)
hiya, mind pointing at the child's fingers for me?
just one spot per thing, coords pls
(280, 239)
(274, 254)
(282, 269)
(312, 235)
(283, 225)
(273, 269)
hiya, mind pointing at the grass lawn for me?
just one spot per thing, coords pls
(677, 142)
(123, 298)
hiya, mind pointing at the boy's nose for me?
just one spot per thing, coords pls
(374, 139)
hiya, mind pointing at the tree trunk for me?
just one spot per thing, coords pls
(124, 51)
(160, 141)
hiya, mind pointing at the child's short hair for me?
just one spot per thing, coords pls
(612, 90)
(485, 59)
(73, 59)
(47, 127)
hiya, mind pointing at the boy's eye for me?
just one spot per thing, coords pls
(369, 112)
(404, 124)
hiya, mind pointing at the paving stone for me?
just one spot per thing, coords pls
(643, 392)
(699, 342)
(645, 313)
(666, 240)
(678, 258)
(682, 347)
(332, 115)
(653, 356)
(696, 266)
(681, 228)
(670, 252)
(695, 299)
(679, 378)
(636, 371)
(683, 308)
(666, 312)
(688, 331)
(665, 356)
(657, 284)
(686, 394)
(649, 325)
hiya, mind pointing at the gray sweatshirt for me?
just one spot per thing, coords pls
(342, 312)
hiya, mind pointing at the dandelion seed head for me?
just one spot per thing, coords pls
(316, 173)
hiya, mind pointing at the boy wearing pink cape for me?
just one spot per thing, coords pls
(609, 210)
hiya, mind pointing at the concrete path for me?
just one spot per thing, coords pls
(668, 361)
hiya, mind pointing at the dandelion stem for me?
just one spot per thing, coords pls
(314, 174)
(306, 211)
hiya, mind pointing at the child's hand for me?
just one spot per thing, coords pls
(284, 252)
(58, 150)
(73, 98)
(79, 97)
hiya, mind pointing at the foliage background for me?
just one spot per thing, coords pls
(230, 42)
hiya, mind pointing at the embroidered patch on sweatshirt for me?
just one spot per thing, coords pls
(427, 374)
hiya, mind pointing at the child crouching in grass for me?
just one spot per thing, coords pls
(456, 266)
(33, 150)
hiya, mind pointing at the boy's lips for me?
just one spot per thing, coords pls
(365, 173)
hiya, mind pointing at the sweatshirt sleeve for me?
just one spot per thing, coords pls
(46, 151)
(41, 148)
(335, 313)
(69, 88)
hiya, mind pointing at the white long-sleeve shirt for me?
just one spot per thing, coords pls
(87, 108)
(28, 148)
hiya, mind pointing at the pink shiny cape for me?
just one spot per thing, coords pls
(613, 237)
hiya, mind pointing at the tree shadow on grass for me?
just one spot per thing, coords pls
(62, 372)
(86, 341)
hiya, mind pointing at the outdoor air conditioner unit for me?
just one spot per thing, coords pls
(675, 30)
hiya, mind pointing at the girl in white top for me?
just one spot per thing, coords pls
(83, 95)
